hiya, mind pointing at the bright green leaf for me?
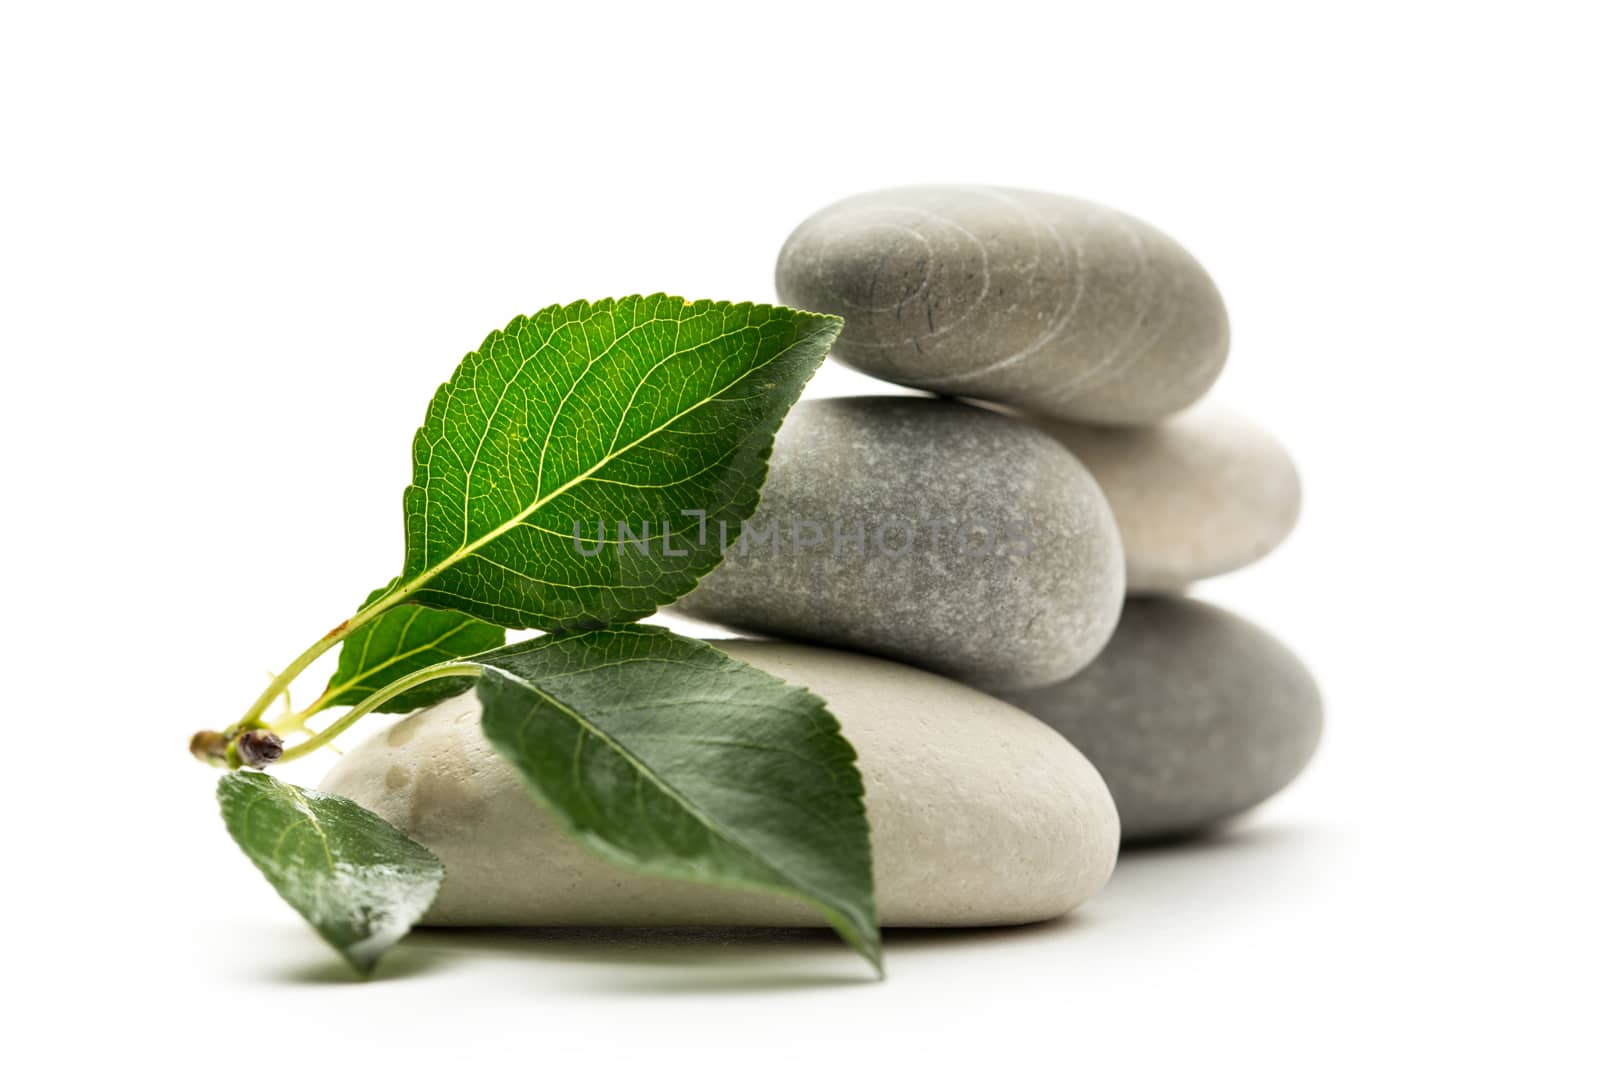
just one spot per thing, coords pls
(567, 432)
(669, 757)
(357, 880)
(405, 639)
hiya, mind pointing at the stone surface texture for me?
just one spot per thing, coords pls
(981, 815)
(1197, 495)
(1052, 304)
(1191, 714)
(1013, 575)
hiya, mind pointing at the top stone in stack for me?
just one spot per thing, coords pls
(1092, 326)
(1053, 305)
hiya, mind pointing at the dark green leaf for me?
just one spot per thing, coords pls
(405, 639)
(631, 411)
(669, 757)
(360, 882)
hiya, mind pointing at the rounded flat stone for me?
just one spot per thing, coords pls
(1193, 715)
(1200, 494)
(1051, 304)
(981, 815)
(929, 531)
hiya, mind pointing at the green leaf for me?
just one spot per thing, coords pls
(360, 882)
(631, 411)
(669, 757)
(405, 639)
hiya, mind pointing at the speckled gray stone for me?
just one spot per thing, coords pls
(1012, 574)
(1192, 715)
(1200, 494)
(1055, 305)
(981, 815)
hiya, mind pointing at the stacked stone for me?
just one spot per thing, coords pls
(1021, 550)
(1035, 537)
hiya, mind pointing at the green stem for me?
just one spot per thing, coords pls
(289, 723)
(398, 595)
(376, 700)
(280, 682)
(295, 722)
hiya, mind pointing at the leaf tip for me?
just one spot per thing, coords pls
(364, 965)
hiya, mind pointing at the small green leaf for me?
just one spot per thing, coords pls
(357, 880)
(669, 757)
(649, 413)
(402, 640)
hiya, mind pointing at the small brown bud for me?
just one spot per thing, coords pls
(208, 746)
(257, 748)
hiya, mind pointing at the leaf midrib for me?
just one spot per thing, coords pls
(593, 361)
(416, 650)
(495, 534)
(306, 814)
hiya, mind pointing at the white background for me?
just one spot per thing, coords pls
(242, 245)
